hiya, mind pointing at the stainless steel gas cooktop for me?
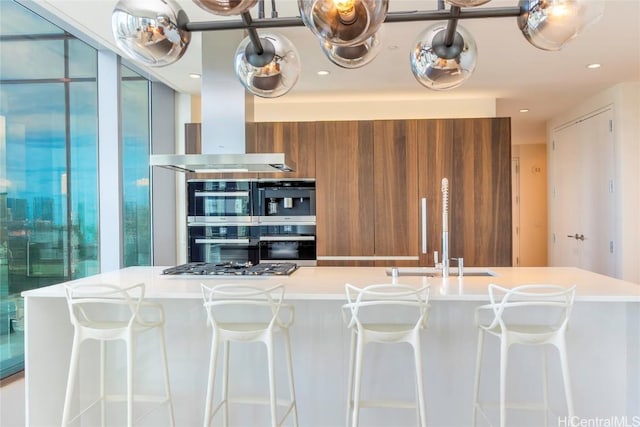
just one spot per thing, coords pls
(232, 269)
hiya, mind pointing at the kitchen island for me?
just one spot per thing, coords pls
(603, 348)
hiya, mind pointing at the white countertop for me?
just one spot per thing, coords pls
(327, 283)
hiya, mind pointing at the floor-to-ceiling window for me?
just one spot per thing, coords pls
(135, 119)
(49, 210)
(48, 182)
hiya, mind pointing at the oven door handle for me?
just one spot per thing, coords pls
(287, 238)
(222, 194)
(232, 241)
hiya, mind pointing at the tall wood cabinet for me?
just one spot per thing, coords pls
(367, 193)
(475, 156)
(344, 202)
(371, 176)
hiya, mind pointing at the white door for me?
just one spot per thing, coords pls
(583, 198)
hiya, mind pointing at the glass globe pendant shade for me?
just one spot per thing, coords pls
(550, 24)
(226, 7)
(438, 66)
(149, 31)
(270, 73)
(354, 56)
(467, 3)
(343, 22)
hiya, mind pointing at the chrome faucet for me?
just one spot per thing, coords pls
(445, 227)
(460, 262)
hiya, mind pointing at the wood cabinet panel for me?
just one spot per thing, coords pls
(193, 145)
(344, 173)
(435, 153)
(395, 189)
(475, 156)
(295, 139)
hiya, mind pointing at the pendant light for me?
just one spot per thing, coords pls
(343, 22)
(550, 24)
(151, 33)
(354, 56)
(443, 57)
(268, 67)
(226, 7)
(467, 3)
(158, 32)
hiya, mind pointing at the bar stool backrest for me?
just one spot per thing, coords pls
(386, 304)
(229, 302)
(104, 306)
(533, 304)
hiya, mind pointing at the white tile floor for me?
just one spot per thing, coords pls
(12, 402)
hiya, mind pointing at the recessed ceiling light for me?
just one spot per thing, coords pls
(593, 66)
(194, 75)
(524, 110)
(323, 73)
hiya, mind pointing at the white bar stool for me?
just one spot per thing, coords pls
(371, 313)
(242, 313)
(105, 313)
(530, 315)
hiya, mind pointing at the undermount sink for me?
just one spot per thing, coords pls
(432, 272)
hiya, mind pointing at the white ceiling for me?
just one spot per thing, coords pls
(509, 69)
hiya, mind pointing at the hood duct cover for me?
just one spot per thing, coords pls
(225, 110)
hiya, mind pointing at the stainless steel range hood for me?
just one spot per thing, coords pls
(226, 107)
(221, 163)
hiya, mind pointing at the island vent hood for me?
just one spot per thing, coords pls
(226, 107)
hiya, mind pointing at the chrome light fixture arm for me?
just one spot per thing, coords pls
(392, 17)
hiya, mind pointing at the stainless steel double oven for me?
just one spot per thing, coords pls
(251, 221)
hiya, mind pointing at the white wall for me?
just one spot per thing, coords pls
(625, 99)
(369, 108)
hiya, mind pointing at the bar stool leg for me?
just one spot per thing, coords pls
(504, 351)
(545, 386)
(225, 382)
(167, 385)
(564, 363)
(422, 413)
(71, 380)
(130, 353)
(292, 389)
(357, 381)
(272, 381)
(476, 386)
(352, 354)
(212, 379)
(103, 369)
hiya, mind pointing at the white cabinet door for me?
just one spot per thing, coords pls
(582, 217)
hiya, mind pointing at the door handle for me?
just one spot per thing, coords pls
(576, 236)
(423, 209)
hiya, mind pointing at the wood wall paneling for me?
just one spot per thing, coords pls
(395, 189)
(344, 173)
(435, 156)
(296, 140)
(474, 155)
(193, 145)
(370, 176)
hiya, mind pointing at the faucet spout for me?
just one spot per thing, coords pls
(445, 227)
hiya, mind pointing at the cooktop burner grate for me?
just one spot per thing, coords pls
(232, 269)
